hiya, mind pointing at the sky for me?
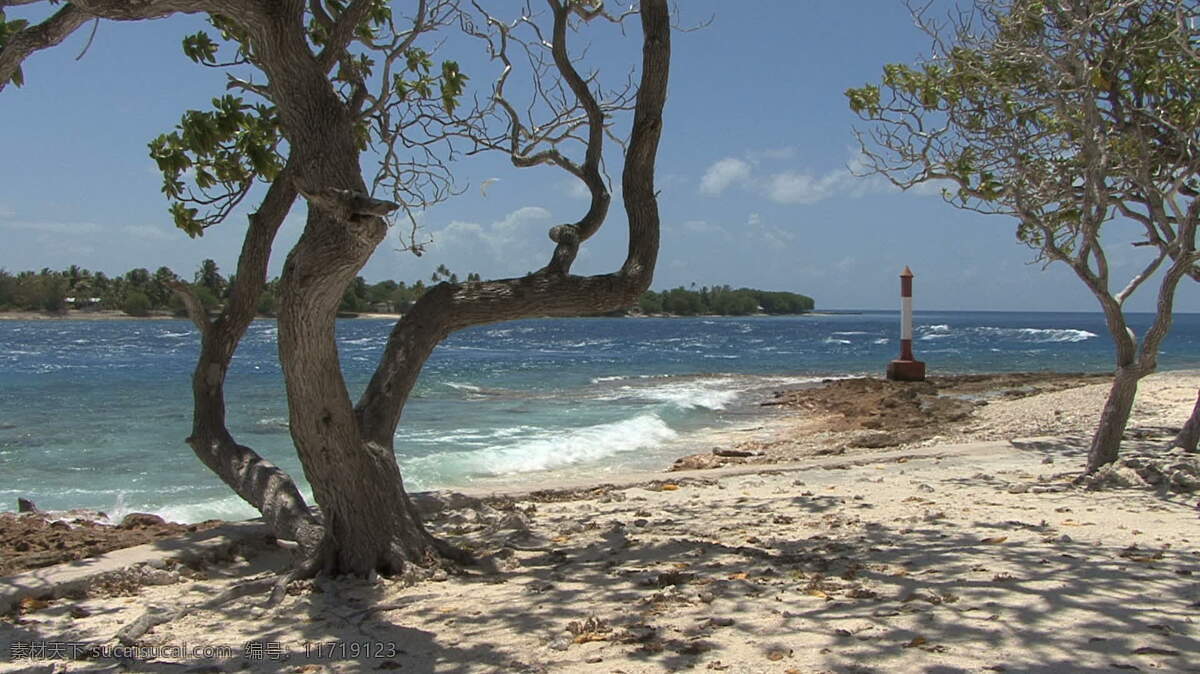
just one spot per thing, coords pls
(754, 172)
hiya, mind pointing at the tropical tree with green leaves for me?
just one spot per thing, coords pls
(331, 80)
(209, 276)
(1065, 115)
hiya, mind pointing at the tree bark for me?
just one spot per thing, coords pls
(1133, 361)
(369, 524)
(1106, 442)
(1189, 435)
(259, 482)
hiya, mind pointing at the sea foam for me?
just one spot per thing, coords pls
(545, 451)
(685, 395)
(1030, 335)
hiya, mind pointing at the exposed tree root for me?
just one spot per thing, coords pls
(452, 552)
(129, 634)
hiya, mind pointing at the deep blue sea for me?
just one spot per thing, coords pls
(93, 413)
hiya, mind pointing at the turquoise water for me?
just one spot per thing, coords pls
(93, 414)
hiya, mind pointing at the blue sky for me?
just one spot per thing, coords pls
(753, 173)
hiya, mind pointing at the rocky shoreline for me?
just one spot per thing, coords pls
(853, 415)
(35, 539)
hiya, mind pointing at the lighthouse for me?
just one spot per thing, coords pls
(906, 367)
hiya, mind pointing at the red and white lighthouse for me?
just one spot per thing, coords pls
(907, 367)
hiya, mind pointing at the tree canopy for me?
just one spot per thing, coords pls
(1066, 115)
(723, 301)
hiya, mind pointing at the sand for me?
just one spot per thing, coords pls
(78, 315)
(967, 550)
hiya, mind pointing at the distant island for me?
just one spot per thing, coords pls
(722, 301)
(140, 293)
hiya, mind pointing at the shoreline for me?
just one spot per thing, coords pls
(983, 555)
(753, 427)
(77, 315)
(810, 423)
(117, 315)
(959, 554)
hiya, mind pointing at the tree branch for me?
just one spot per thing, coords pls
(1138, 280)
(447, 308)
(258, 481)
(44, 35)
(343, 31)
(195, 309)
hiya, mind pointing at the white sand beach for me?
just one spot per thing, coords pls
(967, 551)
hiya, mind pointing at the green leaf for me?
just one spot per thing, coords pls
(453, 83)
(417, 60)
(200, 48)
(864, 100)
(185, 219)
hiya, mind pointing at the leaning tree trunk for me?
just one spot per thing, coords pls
(370, 526)
(259, 482)
(1106, 442)
(1134, 361)
(1190, 433)
(369, 522)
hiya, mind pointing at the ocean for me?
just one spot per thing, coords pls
(93, 414)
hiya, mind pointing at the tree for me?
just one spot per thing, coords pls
(650, 302)
(136, 304)
(138, 278)
(336, 76)
(266, 303)
(56, 295)
(160, 287)
(8, 286)
(1064, 115)
(209, 276)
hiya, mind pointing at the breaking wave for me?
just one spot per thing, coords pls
(545, 451)
(1027, 335)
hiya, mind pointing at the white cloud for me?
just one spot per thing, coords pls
(514, 245)
(791, 187)
(575, 189)
(74, 228)
(153, 232)
(723, 174)
(772, 235)
(801, 187)
(6, 212)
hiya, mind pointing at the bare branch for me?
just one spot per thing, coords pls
(88, 45)
(44, 35)
(195, 309)
(249, 87)
(1140, 278)
(447, 308)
